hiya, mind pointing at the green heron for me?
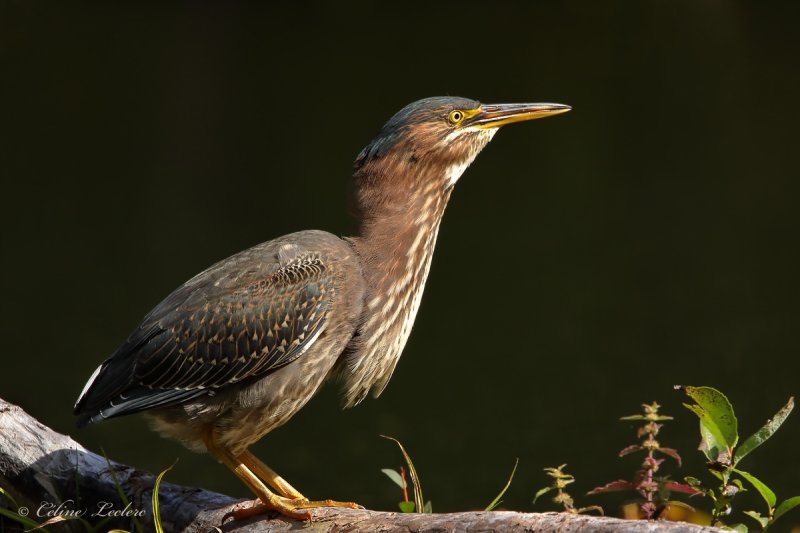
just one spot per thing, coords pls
(238, 349)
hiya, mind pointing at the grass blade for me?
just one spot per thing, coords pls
(9, 496)
(156, 510)
(121, 493)
(24, 520)
(497, 500)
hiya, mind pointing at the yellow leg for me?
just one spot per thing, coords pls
(267, 474)
(268, 499)
(243, 467)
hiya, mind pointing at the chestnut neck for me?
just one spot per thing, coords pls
(397, 235)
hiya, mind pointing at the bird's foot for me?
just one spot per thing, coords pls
(308, 504)
(257, 508)
(291, 508)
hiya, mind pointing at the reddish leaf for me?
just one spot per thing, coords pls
(614, 486)
(672, 453)
(674, 486)
(630, 449)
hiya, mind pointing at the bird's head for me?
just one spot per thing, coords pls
(428, 144)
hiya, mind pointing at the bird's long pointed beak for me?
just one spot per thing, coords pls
(496, 115)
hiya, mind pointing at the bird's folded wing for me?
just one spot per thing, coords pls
(236, 321)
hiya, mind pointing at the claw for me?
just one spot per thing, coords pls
(256, 508)
(248, 468)
(285, 507)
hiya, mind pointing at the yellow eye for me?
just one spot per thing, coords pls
(455, 116)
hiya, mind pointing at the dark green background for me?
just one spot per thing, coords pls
(586, 264)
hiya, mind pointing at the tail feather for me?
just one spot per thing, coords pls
(136, 400)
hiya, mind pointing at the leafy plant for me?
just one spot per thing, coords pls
(654, 490)
(399, 478)
(560, 480)
(719, 442)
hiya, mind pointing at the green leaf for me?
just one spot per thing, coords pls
(712, 441)
(767, 430)
(759, 485)
(156, 510)
(394, 476)
(716, 416)
(693, 482)
(785, 507)
(406, 507)
(755, 515)
(542, 492)
(739, 528)
(710, 445)
(496, 501)
(428, 507)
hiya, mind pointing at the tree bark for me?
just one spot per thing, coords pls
(41, 469)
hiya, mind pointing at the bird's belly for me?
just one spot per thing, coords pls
(272, 401)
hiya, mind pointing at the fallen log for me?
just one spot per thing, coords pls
(45, 474)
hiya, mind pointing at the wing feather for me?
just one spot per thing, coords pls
(238, 321)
